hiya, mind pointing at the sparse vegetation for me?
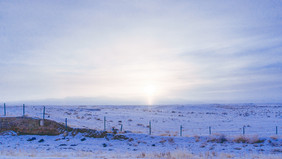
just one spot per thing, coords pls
(27, 125)
(197, 138)
(248, 139)
(160, 144)
(218, 138)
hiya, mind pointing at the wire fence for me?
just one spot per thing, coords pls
(106, 123)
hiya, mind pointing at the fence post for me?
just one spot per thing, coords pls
(43, 112)
(276, 130)
(243, 130)
(209, 130)
(66, 122)
(180, 130)
(4, 109)
(23, 110)
(104, 123)
(121, 128)
(150, 128)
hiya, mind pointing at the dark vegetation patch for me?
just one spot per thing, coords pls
(31, 126)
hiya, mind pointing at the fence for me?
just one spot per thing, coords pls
(152, 128)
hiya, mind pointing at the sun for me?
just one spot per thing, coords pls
(150, 92)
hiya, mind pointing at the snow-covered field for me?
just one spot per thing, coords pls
(226, 139)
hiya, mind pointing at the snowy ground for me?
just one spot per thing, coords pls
(260, 123)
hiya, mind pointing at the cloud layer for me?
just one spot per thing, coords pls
(191, 51)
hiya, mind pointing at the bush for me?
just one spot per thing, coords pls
(218, 138)
(249, 139)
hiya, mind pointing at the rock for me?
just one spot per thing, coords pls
(130, 139)
(120, 137)
(127, 131)
(41, 140)
(63, 145)
(31, 139)
(83, 139)
(105, 145)
(89, 133)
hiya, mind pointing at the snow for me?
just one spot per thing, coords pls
(260, 122)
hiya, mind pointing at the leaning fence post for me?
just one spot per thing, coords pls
(43, 112)
(121, 128)
(276, 130)
(4, 109)
(150, 128)
(23, 110)
(180, 130)
(243, 130)
(209, 130)
(104, 123)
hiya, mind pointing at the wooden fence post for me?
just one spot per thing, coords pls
(23, 110)
(243, 130)
(150, 128)
(43, 112)
(104, 123)
(66, 122)
(4, 109)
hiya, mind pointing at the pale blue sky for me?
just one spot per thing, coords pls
(112, 50)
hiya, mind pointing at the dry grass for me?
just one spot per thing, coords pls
(168, 155)
(170, 140)
(275, 137)
(181, 154)
(27, 125)
(218, 138)
(197, 138)
(248, 139)
(31, 126)
(177, 154)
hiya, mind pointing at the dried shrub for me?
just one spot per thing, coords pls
(197, 138)
(163, 141)
(120, 137)
(249, 140)
(277, 150)
(218, 138)
(274, 137)
(170, 140)
(142, 155)
(89, 133)
(240, 139)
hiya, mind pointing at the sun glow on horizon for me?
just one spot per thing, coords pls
(150, 91)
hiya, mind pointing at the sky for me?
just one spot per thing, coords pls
(141, 51)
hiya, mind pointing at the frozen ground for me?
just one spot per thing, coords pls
(260, 140)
